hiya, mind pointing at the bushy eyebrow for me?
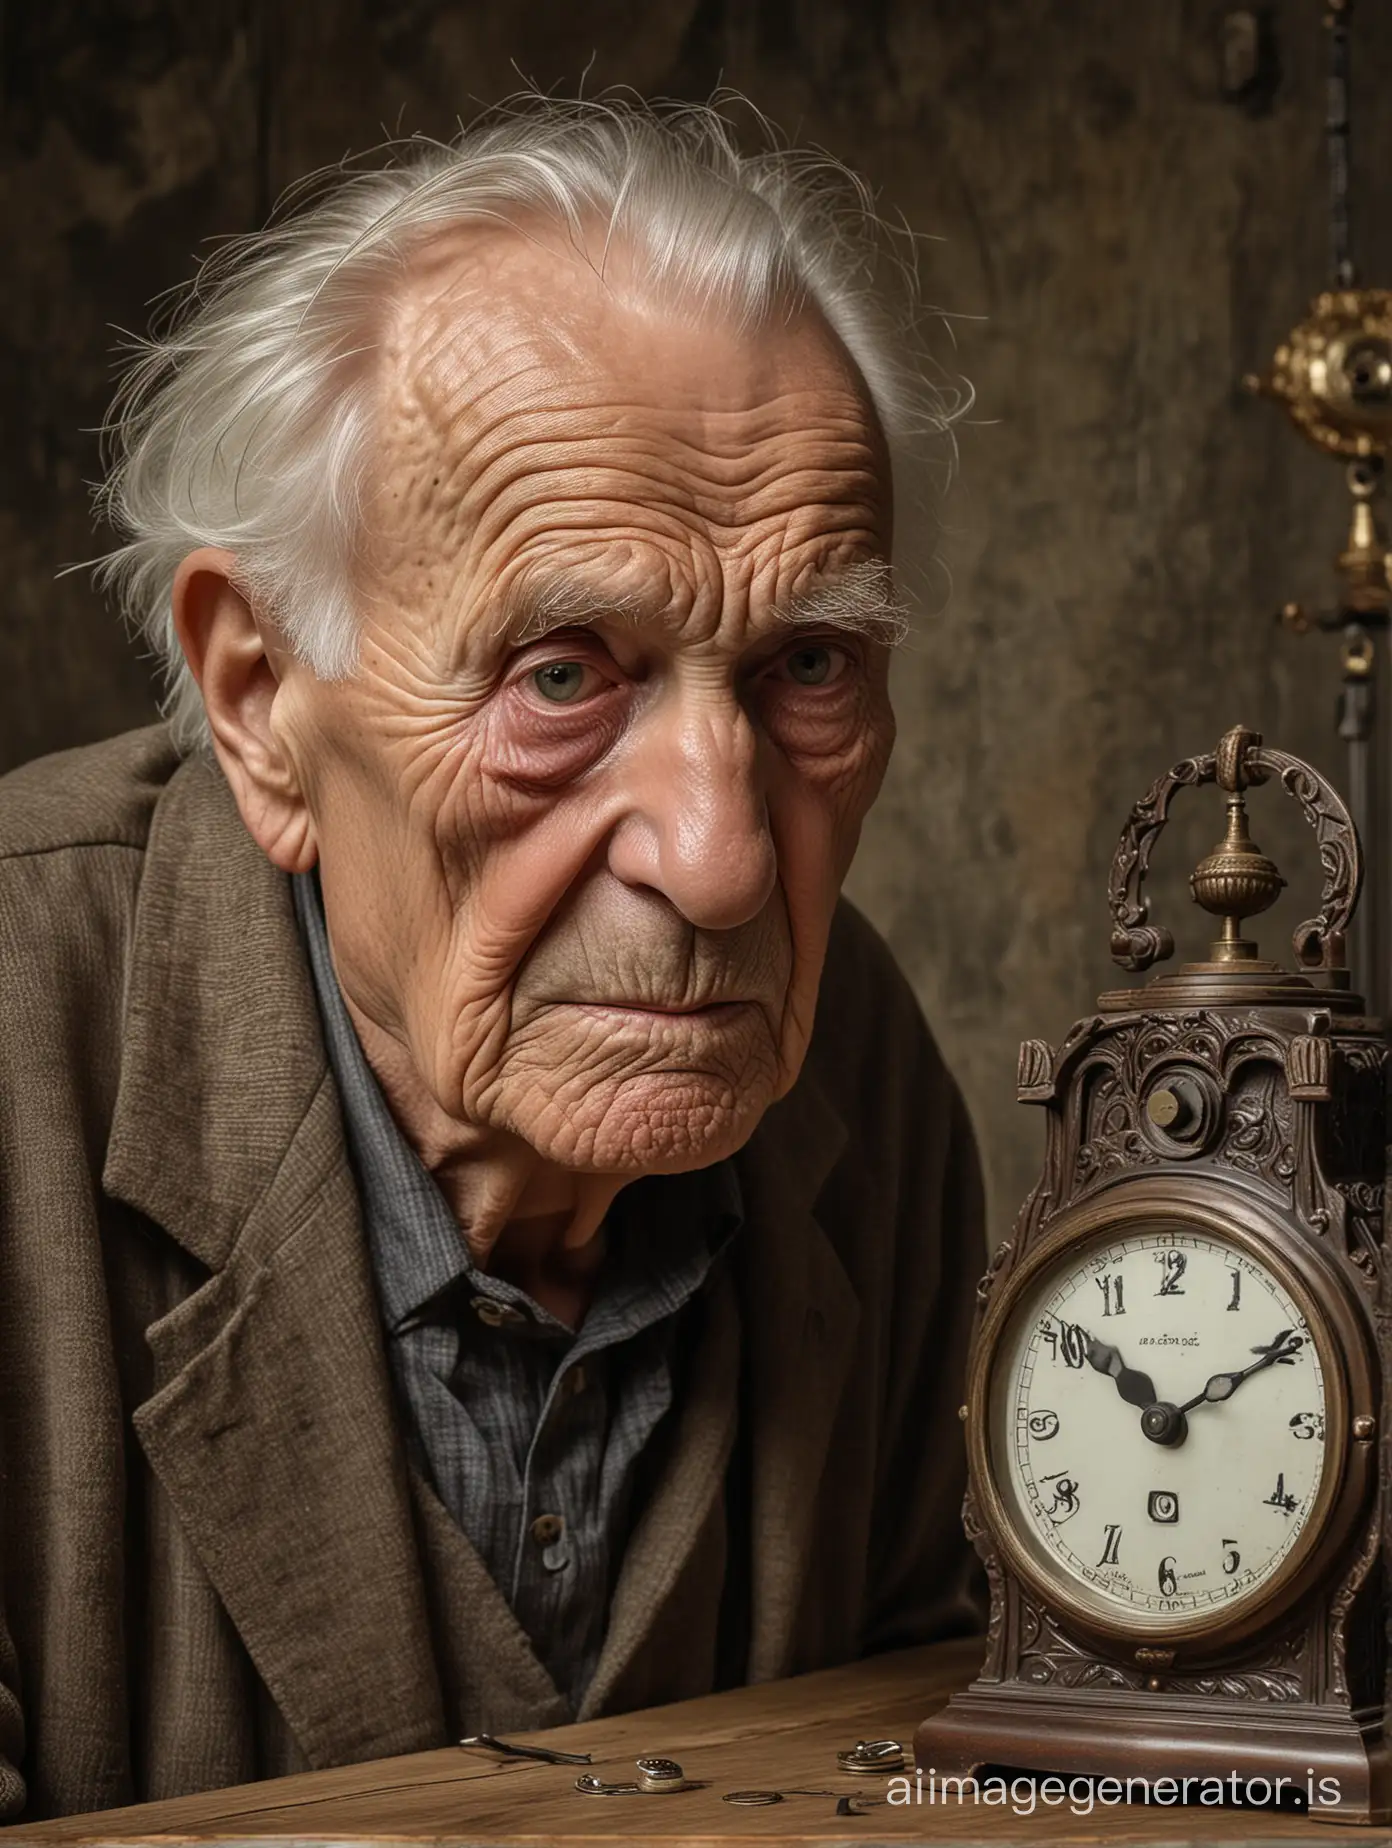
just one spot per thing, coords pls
(864, 599)
(533, 612)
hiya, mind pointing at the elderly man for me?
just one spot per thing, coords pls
(447, 1281)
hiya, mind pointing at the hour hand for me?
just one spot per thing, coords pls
(1134, 1387)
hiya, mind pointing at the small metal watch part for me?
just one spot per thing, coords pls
(879, 1756)
(856, 1803)
(753, 1798)
(485, 1742)
(591, 1786)
(656, 1775)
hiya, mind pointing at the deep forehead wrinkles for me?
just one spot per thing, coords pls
(518, 389)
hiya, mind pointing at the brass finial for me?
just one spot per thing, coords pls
(1236, 880)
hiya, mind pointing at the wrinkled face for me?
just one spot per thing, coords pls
(584, 811)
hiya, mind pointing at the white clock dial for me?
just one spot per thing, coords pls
(1158, 1414)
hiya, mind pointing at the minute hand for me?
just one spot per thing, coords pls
(1223, 1385)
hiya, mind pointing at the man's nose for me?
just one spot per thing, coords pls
(697, 829)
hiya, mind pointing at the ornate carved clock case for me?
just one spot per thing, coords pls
(1175, 1413)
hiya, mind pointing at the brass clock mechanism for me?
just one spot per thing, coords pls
(1333, 373)
(1176, 1385)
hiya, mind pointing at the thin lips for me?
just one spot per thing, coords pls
(655, 1007)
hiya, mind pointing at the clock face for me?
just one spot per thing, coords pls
(1158, 1424)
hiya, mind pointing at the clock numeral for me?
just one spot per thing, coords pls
(1162, 1505)
(1235, 1300)
(1066, 1502)
(1169, 1584)
(1043, 1426)
(1174, 1264)
(1067, 1342)
(1284, 1350)
(1308, 1426)
(1278, 1498)
(1110, 1287)
(1111, 1551)
(1232, 1559)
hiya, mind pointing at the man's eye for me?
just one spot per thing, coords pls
(815, 666)
(560, 681)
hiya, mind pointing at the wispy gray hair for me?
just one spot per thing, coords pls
(246, 422)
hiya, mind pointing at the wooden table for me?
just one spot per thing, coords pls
(784, 1734)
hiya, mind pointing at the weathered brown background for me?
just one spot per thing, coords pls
(1118, 244)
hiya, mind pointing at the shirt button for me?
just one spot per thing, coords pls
(547, 1529)
(494, 1314)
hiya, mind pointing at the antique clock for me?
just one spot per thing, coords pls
(1174, 1411)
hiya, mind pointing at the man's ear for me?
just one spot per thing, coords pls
(231, 658)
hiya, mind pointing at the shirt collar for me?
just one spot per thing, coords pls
(665, 1230)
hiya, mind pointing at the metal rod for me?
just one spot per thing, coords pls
(1377, 861)
(1356, 729)
(1336, 140)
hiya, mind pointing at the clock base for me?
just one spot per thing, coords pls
(1120, 1733)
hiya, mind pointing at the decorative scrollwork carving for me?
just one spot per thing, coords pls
(1363, 1225)
(1319, 941)
(1342, 1604)
(1258, 1140)
(1242, 1057)
(1240, 758)
(1114, 1143)
(976, 1533)
(997, 1258)
(1254, 1686)
(1136, 943)
(1049, 1657)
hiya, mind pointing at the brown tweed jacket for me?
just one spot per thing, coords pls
(215, 1564)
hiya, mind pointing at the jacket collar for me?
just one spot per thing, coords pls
(222, 1055)
(272, 1425)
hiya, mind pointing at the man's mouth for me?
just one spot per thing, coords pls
(707, 1010)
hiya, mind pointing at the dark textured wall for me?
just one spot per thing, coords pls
(1116, 244)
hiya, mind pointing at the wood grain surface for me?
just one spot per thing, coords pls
(781, 1736)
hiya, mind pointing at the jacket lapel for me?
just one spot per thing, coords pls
(271, 1424)
(801, 1315)
(796, 1314)
(672, 1570)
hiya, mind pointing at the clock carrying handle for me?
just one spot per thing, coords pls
(1240, 762)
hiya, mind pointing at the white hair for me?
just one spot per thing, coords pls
(246, 422)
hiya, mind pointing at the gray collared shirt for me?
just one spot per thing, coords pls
(530, 1433)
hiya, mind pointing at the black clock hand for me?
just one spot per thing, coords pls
(1223, 1385)
(1134, 1387)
